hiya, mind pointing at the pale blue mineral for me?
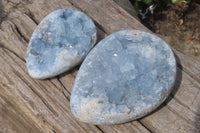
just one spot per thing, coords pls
(125, 77)
(60, 42)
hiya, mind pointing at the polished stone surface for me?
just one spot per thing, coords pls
(60, 42)
(125, 76)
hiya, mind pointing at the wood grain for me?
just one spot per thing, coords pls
(29, 105)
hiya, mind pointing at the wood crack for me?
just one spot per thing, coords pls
(147, 128)
(99, 129)
(63, 86)
(21, 35)
(65, 90)
(3, 47)
(18, 33)
(32, 17)
(100, 27)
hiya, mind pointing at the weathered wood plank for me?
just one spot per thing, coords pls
(46, 102)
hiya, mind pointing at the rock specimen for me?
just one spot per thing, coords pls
(60, 42)
(126, 76)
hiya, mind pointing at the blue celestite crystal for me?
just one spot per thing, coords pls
(60, 42)
(126, 76)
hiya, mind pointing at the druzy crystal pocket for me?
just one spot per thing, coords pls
(61, 41)
(124, 77)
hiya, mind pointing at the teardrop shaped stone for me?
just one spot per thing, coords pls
(124, 77)
(60, 42)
